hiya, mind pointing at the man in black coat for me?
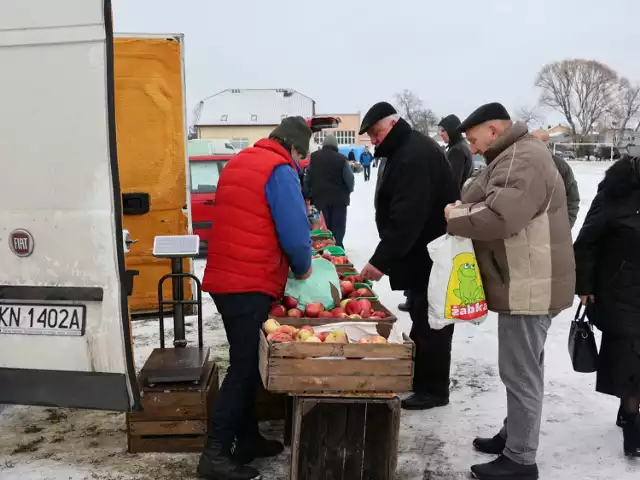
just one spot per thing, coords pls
(458, 152)
(416, 185)
(329, 182)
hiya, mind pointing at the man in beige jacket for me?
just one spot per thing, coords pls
(515, 211)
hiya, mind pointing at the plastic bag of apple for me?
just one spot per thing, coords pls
(343, 333)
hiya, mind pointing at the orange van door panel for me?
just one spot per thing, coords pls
(149, 100)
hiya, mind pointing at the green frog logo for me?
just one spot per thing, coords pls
(465, 294)
(469, 291)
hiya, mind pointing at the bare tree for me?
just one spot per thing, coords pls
(530, 116)
(625, 107)
(413, 110)
(581, 90)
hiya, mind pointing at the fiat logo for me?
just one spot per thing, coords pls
(21, 242)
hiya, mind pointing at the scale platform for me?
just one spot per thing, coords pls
(174, 365)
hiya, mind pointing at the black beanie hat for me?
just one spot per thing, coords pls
(295, 131)
(376, 113)
(450, 124)
(485, 113)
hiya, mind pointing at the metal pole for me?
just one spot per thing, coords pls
(179, 339)
(612, 152)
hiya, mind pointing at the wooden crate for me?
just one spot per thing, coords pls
(345, 438)
(270, 406)
(174, 417)
(299, 367)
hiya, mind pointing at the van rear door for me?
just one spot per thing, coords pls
(65, 337)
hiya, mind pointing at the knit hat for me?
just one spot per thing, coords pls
(485, 113)
(295, 131)
(450, 124)
(375, 114)
(330, 141)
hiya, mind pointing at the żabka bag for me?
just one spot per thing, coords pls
(456, 294)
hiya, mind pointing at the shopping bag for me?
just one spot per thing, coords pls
(455, 291)
(322, 286)
(582, 344)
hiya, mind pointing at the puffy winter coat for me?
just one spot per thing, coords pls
(608, 251)
(515, 211)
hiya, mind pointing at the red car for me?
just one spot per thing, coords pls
(205, 173)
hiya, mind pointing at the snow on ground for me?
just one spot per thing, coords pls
(579, 439)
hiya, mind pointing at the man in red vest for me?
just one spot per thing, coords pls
(260, 231)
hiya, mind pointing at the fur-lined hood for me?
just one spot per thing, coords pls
(622, 178)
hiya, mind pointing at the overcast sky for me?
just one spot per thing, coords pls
(349, 54)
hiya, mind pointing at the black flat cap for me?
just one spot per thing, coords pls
(485, 113)
(450, 124)
(375, 114)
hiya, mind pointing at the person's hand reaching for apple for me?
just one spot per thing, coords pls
(369, 272)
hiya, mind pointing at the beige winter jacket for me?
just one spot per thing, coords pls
(515, 211)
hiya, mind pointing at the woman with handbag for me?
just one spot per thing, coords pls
(608, 282)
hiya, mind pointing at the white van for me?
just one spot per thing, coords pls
(65, 335)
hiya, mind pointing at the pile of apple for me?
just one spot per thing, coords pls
(286, 333)
(322, 243)
(352, 308)
(340, 260)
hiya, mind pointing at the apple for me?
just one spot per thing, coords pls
(337, 311)
(307, 327)
(365, 314)
(289, 303)
(313, 339)
(282, 337)
(364, 340)
(353, 307)
(364, 292)
(336, 336)
(271, 325)
(342, 315)
(343, 303)
(346, 288)
(378, 339)
(365, 305)
(355, 316)
(294, 312)
(325, 315)
(353, 295)
(326, 254)
(279, 311)
(303, 335)
(380, 314)
(288, 329)
(322, 336)
(313, 310)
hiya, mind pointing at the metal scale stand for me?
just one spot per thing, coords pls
(181, 363)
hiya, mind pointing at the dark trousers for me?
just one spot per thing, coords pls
(432, 363)
(367, 173)
(233, 413)
(335, 217)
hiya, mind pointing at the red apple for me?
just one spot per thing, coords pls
(325, 315)
(366, 314)
(353, 307)
(294, 312)
(289, 303)
(337, 311)
(313, 310)
(365, 305)
(380, 314)
(278, 311)
(308, 327)
(346, 288)
(342, 315)
(282, 337)
(322, 336)
(364, 292)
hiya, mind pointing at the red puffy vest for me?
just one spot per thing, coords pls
(244, 253)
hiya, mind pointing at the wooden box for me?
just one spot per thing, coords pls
(270, 406)
(175, 417)
(345, 438)
(299, 367)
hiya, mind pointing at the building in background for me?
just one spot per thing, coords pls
(347, 132)
(244, 116)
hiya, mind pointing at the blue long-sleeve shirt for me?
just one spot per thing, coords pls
(366, 158)
(289, 213)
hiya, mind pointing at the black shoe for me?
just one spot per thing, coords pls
(215, 464)
(490, 446)
(504, 468)
(248, 450)
(404, 307)
(424, 401)
(631, 434)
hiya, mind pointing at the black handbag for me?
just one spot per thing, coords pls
(582, 344)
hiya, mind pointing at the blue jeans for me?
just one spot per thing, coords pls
(335, 216)
(233, 414)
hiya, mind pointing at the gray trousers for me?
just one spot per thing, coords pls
(521, 340)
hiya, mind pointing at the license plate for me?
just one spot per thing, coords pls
(39, 319)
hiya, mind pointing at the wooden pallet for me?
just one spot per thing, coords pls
(345, 438)
(299, 367)
(174, 417)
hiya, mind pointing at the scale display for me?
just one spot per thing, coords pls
(175, 246)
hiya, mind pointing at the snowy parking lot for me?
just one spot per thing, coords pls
(579, 439)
